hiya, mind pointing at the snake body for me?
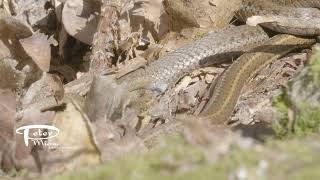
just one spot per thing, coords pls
(164, 72)
(227, 90)
(294, 12)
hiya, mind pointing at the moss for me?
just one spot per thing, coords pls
(305, 116)
(315, 68)
(168, 161)
(281, 102)
(200, 35)
(291, 159)
(14, 173)
(307, 120)
(310, 171)
(177, 160)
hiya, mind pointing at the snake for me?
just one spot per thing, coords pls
(257, 47)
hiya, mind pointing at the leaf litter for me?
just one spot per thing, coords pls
(47, 81)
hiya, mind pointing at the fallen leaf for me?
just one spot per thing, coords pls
(74, 146)
(80, 19)
(4, 50)
(38, 48)
(7, 123)
(130, 66)
(11, 26)
(48, 86)
(26, 156)
(34, 13)
(7, 114)
(11, 77)
(113, 124)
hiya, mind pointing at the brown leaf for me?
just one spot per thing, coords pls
(10, 76)
(35, 13)
(146, 17)
(25, 155)
(48, 86)
(38, 48)
(80, 20)
(74, 146)
(112, 119)
(131, 66)
(106, 99)
(4, 50)
(7, 122)
(128, 144)
(180, 14)
(10, 26)
(7, 113)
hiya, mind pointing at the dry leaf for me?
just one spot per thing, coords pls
(38, 48)
(25, 155)
(112, 118)
(183, 83)
(150, 11)
(5, 5)
(143, 17)
(10, 26)
(4, 50)
(131, 66)
(34, 13)
(7, 113)
(128, 144)
(74, 146)
(48, 86)
(66, 72)
(80, 19)
(10, 76)
(181, 14)
(106, 99)
(7, 123)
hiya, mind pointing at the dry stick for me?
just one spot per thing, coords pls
(106, 35)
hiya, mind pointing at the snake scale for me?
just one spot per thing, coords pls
(163, 73)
